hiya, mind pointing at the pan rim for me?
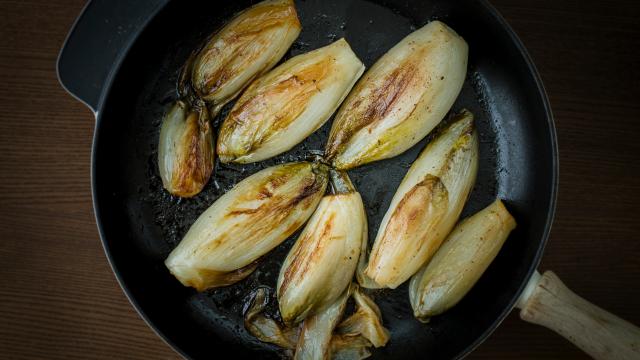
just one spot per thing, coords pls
(532, 266)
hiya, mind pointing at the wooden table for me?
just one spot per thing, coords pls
(59, 299)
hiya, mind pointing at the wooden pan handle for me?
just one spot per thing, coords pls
(548, 302)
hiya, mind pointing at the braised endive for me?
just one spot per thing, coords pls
(283, 107)
(322, 262)
(459, 263)
(426, 205)
(256, 215)
(248, 46)
(185, 149)
(404, 95)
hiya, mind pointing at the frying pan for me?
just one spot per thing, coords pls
(122, 58)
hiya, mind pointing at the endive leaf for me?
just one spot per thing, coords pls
(266, 329)
(366, 321)
(283, 107)
(247, 222)
(185, 149)
(426, 205)
(345, 347)
(459, 263)
(404, 95)
(248, 46)
(322, 262)
(316, 332)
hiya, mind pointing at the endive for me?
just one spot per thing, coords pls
(256, 215)
(248, 46)
(185, 149)
(404, 95)
(460, 262)
(322, 262)
(426, 205)
(283, 107)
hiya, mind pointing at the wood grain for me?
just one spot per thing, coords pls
(597, 332)
(59, 300)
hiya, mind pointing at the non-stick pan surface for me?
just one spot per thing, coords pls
(140, 223)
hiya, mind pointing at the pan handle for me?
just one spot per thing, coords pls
(97, 42)
(548, 302)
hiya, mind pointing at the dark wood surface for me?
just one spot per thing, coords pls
(59, 299)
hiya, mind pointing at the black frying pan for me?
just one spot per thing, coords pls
(122, 59)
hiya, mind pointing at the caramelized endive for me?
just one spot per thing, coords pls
(404, 95)
(283, 107)
(185, 149)
(460, 261)
(426, 205)
(322, 262)
(245, 48)
(256, 215)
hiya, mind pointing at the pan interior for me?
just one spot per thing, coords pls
(141, 223)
